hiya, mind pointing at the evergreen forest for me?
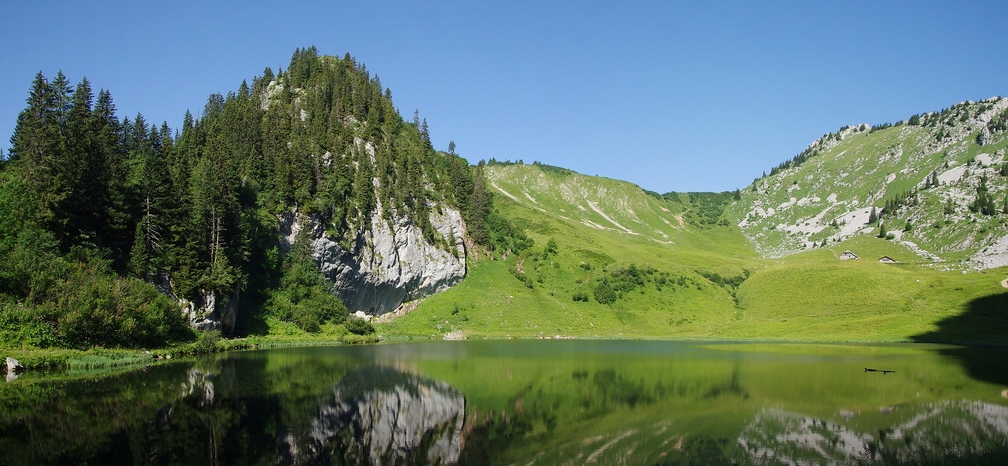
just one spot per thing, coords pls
(108, 223)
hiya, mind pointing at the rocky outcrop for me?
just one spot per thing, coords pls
(213, 310)
(983, 137)
(386, 264)
(381, 267)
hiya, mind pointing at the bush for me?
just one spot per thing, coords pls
(206, 342)
(21, 326)
(604, 293)
(580, 296)
(551, 247)
(304, 299)
(354, 339)
(358, 326)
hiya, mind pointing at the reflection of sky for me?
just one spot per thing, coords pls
(637, 402)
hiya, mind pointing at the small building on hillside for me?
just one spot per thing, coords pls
(887, 260)
(849, 256)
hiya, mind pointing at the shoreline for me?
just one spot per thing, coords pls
(54, 359)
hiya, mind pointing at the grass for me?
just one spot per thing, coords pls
(811, 296)
(282, 334)
(866, 169)
(704, 279)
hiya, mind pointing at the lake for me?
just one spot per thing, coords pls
(523, 402)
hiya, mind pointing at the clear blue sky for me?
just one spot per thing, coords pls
(682, 96)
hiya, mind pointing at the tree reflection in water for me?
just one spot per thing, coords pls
(521, 403)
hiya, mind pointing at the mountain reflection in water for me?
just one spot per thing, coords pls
(379, 415)
(934, 433)
(536, 403)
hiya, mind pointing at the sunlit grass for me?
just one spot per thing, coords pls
(811, 296)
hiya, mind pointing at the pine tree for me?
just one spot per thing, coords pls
(873, 216)
(479, 208)
(425, 133)
(82, 165)
(35, 142)
(61, 92)
(114, 224)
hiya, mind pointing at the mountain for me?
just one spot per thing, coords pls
(936, 182)
(294, 201)
(304, 197)
(610, 259)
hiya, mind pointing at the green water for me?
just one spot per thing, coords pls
(524, 402)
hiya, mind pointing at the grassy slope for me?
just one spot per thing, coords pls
(858, 169)
(603, 225)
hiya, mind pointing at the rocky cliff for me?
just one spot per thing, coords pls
(387, 262)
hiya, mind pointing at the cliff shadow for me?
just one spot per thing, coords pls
(982, 330)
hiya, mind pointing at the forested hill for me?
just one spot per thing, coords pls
(97, 212)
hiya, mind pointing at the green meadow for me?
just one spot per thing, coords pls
(610, 260)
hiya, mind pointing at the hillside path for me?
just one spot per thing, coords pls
(1004, 283)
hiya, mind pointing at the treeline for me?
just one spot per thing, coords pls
(72, 193)
(124, 205)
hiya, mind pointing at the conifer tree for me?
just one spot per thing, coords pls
(479, 207)
(34, 144)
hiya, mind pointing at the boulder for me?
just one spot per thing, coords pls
(13, 365)
(983, 137)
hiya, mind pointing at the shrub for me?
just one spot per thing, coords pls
(304, 298)
(207, 341)
(358, 326)
(604, 293)
(551, 247)
(22, 326)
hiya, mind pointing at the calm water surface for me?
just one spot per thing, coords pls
(524, 402)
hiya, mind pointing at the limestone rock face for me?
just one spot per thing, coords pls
(388, 262)
(211, 311)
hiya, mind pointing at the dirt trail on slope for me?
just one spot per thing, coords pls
(1004, 283)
